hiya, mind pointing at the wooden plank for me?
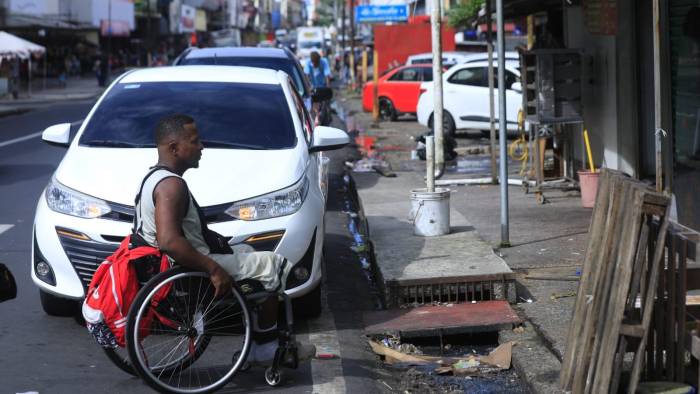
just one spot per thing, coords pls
(602, 239)
(614, 313)
(660, 324)
(647, 312)
(680, 307)
(589, 271)
(670, 303)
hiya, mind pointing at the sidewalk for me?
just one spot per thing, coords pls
(75, 89)
(547, 240)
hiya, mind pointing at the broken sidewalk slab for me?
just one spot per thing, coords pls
(406, 260)
(433, 320)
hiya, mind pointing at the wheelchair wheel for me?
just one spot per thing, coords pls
(180, 339)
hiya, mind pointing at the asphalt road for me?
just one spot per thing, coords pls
(56, 355)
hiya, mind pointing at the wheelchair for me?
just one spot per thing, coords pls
(179, 339)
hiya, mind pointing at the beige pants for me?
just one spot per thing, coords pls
(264, 267)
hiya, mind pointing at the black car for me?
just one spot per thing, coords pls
(270, 58)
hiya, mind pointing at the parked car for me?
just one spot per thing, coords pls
(450, 59)
(466, 98)
(271, 58)
(259, 181)
(398, 90)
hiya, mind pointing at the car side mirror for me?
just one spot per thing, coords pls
(328, 138)
(517, 87)
(322, 94)
(58, 134)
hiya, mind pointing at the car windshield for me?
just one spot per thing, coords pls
(309, 44)
(228, 115)
(270, 63)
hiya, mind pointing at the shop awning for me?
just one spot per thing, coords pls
(13, 46)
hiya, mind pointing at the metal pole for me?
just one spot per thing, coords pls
(430, 161)
(492, 106)
(505, 238)
(436, 23)
(29, 74)
(375, 87)
(658, 131)
(109, 40)
(352, 44)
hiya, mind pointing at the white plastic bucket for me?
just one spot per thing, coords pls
(430, 212)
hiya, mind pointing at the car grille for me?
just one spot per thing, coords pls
(125, 213)
(86, 255)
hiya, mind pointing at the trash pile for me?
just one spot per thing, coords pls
(449, 145)
(393, 352)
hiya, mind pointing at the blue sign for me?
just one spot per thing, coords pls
(381, 13)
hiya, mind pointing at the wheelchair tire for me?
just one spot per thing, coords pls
(172, 353)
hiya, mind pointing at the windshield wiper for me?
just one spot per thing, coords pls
(228, 144)
(115, 144)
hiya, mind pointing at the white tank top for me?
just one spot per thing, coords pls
(145, 212)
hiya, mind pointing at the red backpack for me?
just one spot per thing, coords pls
(112, 291)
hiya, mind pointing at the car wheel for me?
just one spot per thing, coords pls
(57, 306)
(386, 109)
(448, 124)
(308, 305)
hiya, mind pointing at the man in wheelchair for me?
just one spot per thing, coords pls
(168, 218)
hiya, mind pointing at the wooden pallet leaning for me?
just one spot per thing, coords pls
(581, 325)
(616, 269)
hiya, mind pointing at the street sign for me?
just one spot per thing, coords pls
(381, 13)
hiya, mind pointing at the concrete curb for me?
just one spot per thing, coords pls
(542, 375)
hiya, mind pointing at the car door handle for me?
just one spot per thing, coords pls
(451, 91)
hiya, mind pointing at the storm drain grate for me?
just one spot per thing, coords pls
(450, 290)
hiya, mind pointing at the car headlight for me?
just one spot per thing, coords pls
(65, 200)
(280, 203)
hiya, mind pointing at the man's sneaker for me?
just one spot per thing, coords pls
(263, 354)
(305, 351)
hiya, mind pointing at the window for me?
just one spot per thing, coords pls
(303, 117)
(406, 75)
(427, 74)
(228, 115)
(510, 78)
(475, 76)
(271, 63)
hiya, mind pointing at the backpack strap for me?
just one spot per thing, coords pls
(137, 227)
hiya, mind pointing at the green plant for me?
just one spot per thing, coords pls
(462, 14)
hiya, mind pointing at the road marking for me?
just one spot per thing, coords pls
(327, 374)
(5, 227)
(30, 136)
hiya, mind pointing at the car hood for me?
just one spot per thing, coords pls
(223, 176)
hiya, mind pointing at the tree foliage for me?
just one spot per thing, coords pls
(463, 13)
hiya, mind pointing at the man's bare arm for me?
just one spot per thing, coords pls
(171, 201)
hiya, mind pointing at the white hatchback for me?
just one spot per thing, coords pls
(261, 180)
(466, 98)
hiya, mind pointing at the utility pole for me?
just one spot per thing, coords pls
(505, 237)
(492, 111)
(352, 44)
(436, 24)
(109, 41)
(342, 34)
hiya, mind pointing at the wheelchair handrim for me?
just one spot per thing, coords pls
(222, 380)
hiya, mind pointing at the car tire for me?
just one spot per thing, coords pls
(448, 124)
(387, 110)
(308, 305)
(57, 306)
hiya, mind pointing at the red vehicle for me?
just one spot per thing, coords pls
(399, 90)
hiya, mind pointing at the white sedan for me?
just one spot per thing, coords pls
(466, 98)
(260, 179)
